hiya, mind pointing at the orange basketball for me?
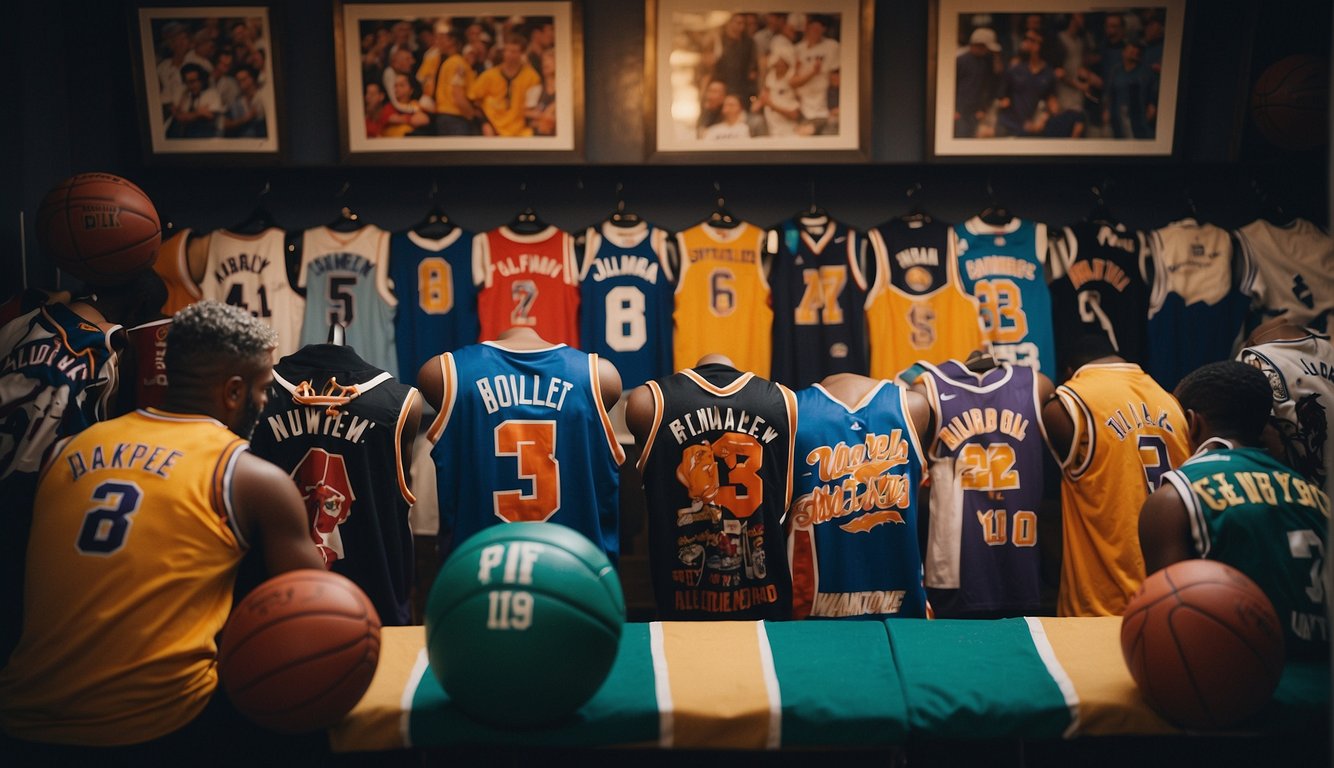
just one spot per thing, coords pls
(1290, 102)
(299, 651)
(100, 228)
(1203, 643)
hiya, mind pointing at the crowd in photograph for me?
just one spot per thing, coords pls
(211, 76)
(459, 76)
(1059, 75)
(772, 74)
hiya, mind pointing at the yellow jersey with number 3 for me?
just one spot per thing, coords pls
(722, 298)
(131, 564)
(1128, 433)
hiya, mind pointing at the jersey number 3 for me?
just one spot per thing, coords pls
(533, 446)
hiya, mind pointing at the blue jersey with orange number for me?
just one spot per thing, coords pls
(522, 435)
(437, 301)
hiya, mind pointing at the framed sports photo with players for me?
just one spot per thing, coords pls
(1054, 77)
(736, 81)
(207, 83)
(497, 82)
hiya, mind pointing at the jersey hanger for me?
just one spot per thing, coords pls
(619, 216)
(721, 217)
(435, 224)
(347, 219)
(526, 221)
(1100, 212)
(259, 219)
(915, 212)
(994, 214)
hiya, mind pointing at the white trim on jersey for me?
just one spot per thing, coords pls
(435, 246)
(1199, 531)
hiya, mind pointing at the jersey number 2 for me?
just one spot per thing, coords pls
(533, 446)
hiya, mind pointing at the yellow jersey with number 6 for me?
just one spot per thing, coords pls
(131, 564)
(722, 298)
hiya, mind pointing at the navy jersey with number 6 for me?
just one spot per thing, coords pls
(819, 297)
(626, 300)
(437, 301)
(522, 435)
(856, 472)
(986, 485)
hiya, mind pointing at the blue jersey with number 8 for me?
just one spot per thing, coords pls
(626, 287)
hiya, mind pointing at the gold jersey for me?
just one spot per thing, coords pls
(1128, 433)
(722, 298)
(131, 563)
(173, 266)
(917, 308)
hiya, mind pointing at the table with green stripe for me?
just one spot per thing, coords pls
(818, 684)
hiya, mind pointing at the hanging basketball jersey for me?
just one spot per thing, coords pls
(917, 308)
(1289, 271)
(250, 272)
(1128, 433)
(522, 436)
(437, 309)
(1301, 373)
(335, 424)
(853, 541)
(982, 557)
(528, 281)
(1002, 267)
(819, 300)
(346, 277)
(145, 386)
(1194, 309)
(626, 284)
(717, 471)
(1103, 288)
(173, 266)
(722, 298)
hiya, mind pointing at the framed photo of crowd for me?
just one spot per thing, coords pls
(1054, 77)
(206, 81)
(465, 82)
(734, 81)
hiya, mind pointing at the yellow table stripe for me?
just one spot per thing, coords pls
(376, 722)
(719, 696)
(1089, 650)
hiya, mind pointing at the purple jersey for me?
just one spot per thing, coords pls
(982, 557)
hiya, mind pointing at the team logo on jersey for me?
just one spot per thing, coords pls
(1271, 372)
(857, 482)
(698, 472)
(918, 279)
(322, 479)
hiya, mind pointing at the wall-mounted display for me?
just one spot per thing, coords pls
(744, 82)
(467, 82)
(206, 80)
(1054, 77)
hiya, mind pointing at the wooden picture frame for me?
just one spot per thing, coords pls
(207, 83)
(706, 58)
(1054, 78)
(476, 117)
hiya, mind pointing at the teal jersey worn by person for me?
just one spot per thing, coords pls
(1255, 514)
(522, 435)
(1003, 267)
(856, 470)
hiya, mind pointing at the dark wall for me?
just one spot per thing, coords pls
(78, 113)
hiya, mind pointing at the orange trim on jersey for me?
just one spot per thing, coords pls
(403, 486)
(657, 422)
(87, 353)
(731, 389)
(791, 402)
(617, 452)
(446, 397)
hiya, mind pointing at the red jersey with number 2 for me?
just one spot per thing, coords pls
(529, 281)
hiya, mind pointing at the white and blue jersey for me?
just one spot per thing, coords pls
(522, 436)
(1003, 267)
(626, 289)
(346, 277)
(437, 310)
(856, 470)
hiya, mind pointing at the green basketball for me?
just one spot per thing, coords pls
(523, 623)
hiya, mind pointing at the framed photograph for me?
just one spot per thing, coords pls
(1054, 77)
(735, 81)
(463, 82)
(207, 81)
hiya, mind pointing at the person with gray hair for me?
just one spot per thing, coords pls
(144, 520)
